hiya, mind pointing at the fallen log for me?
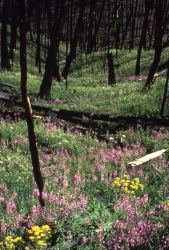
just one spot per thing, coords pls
(87, 119)
(146, 158)
(4, 84)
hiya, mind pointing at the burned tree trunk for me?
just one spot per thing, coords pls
(91, 24)
(27, 104)
(38, 42)
(93, 37)
(111, 71)
(74, 42)
(5, 62)
(165, 92)
(45, 88)
(13, 29)
(143, 37)
(159, 31)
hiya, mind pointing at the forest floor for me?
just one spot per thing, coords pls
(94, 200)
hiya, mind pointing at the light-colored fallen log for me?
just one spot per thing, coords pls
(146, 158)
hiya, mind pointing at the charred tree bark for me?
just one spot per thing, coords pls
(111, 71)
(143, 37)
(27, 104)
(91, 24)
(133, 23)
(165, 93)
(38, 42)
(13, 29)
(73, 45)
(159, 31)
(45, 88)
(5, 62)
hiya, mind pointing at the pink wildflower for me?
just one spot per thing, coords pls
(64, 182)
(11, 206)
(77, 178)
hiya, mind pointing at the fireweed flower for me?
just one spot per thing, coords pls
(127, 185)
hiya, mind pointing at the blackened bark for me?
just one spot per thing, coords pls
(143, 36)
(53, 50)
(38, 42)
(91, 24)
(5, 62)
(13, 29)
(45, 88)
(133, 23)
(111, 71)
(165, 93)
(97, 26)
(74, 42)
(27, 104)
(159, 31)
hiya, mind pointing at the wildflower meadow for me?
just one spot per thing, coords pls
(92, 199)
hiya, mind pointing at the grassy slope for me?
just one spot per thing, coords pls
(88, 91)
(85, 93)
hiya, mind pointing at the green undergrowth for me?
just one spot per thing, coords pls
(88, 90)
(79, 169)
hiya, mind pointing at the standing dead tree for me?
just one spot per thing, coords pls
(161, 18)
(75, 40)
(5, 62)
(27, 104)
(142, 42)
(53, 50)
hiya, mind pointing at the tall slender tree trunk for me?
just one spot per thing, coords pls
(133, 23)
(38, 42)
(45, 88)
(165, 92)
(13, 29)
(53, 50)
(27, 104)
(143, 36)
(97, 26)
(111, 71)
(159, 31)
(5, 62)
(91, 24)
(75, 40)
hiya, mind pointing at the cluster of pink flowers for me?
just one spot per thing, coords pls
(133, 230)
(117, 155)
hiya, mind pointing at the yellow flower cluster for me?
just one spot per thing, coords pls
(11, 243)
(127, 185)
(40, 235)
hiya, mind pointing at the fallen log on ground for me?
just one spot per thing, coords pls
(88, 119)
(146, 158)
(4, 84)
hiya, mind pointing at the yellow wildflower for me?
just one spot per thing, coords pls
(35, 228)
(32, 238)
(46, 228)
(41, 243)
(141, 187)
(137, 180)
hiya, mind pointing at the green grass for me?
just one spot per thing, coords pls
(88, 89)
